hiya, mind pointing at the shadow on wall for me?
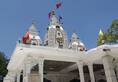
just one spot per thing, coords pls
(102, 80)
(74, 80)
(46, 80)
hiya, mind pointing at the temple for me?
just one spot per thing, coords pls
(56, 59)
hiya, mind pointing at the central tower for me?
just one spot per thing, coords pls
(55, 35)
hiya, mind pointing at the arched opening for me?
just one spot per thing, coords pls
(35, 69)
(34, 75)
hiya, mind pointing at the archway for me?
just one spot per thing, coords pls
(34, 75)
(59, 71)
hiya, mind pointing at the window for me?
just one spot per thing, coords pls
(59, 34)
(58, 27)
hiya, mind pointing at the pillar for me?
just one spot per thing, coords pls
(116, 68)
(81, 72)
(10, 77)
(109, 69)
(40, 63)
(7, 79)
(90, 67)
(18, 77)
(27, 69)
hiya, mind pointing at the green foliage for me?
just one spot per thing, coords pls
(115, 22)
(111, 36)
(3, 64)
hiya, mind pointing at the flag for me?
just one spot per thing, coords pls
(25, 37)
(58, 5)
(60, 17)
(49, 14)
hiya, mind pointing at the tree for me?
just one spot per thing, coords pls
(111, 36)
(3, 65)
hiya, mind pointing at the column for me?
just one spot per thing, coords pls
(90, 67)
(41, 62)
(7, 79)
(10, 77)
(116, 69)
(18, 77)
(81, 72)
(27, 69)
(108, 68)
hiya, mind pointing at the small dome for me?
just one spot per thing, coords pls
(81, 44)
(75, 43)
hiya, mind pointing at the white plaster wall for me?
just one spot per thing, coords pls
(34, 78)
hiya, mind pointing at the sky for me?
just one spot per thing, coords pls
(85, 17)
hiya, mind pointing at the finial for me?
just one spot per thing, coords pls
(101, 32)
(33, 21)
(74, 31)
(53, 12)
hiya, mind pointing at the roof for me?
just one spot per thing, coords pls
(48, 53)
(22, 51)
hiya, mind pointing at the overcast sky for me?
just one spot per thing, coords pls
(85, 17)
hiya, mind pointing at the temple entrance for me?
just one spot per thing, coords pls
(59, 71)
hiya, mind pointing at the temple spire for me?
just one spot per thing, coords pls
(101, 38)
(31, 37)
(76, 43)
(32, 28)
(74, 36)
(33, 22)
(53, 19)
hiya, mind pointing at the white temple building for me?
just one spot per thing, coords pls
(58, 60)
